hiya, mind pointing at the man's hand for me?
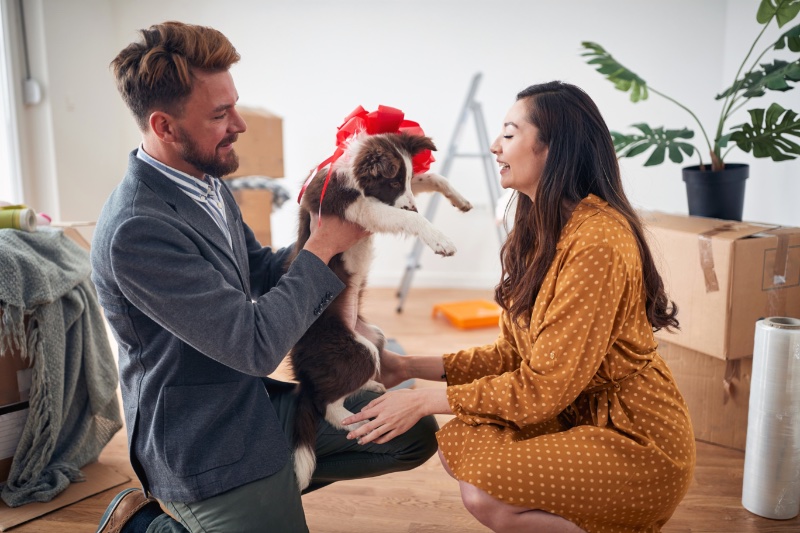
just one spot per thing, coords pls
(330, 235)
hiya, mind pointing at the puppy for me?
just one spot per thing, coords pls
(372, 185)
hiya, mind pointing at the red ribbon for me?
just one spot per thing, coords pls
(385, 120)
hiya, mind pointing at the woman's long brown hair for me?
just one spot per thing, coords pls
(581, 160)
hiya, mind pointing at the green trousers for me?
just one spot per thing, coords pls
(273, 504)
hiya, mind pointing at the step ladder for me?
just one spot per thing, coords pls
(471, 108)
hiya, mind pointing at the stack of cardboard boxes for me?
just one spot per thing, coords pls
(260, 151)
(724, 276)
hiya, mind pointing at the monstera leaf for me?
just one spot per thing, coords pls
(664, 141)
(622, 78)
(790, 38)
(770, 131)
(767, 136)
(774, 77)
(782, 10)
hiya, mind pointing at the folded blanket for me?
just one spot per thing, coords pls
(74, 411)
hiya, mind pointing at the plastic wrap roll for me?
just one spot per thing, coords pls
(18, 217)
(771, 484)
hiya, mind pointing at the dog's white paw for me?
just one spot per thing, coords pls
(438, 242)
(459, 202)
(373, 386)
(466, 206)
(354, 426)
(443, 247)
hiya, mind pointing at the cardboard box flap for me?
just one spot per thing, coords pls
(712, 227)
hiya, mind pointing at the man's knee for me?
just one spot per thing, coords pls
(420, 443)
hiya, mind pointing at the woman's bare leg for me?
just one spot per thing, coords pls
(502, 517)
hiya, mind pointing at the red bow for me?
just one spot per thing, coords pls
(385, 120)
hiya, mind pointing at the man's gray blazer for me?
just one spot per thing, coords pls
(198, 326)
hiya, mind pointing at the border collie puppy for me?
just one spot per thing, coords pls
(372, 185)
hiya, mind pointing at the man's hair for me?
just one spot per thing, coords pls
(156, 73)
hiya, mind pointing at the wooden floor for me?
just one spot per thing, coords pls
(426, 500)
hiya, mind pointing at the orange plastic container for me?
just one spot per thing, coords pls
(469, 314)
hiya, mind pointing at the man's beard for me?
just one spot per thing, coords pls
(208, 164)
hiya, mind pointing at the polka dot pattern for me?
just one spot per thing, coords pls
(579, 415)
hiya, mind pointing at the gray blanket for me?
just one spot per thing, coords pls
(74, 410)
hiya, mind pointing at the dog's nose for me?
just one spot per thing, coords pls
(411, 208)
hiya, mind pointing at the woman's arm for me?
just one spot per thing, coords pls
(396, 368)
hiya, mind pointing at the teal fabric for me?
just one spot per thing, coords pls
(74, 411)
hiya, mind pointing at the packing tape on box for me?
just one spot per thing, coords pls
(782, 265)
(707, 254)
(771, 484)
(18, 217)
(732, 374)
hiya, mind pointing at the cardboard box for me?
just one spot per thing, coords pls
(15, 376)
(724, 276)
(717, 393)
(15, 385)
(12, 422)
(260, 148)
(256, 206)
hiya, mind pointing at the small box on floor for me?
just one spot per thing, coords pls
(717, 393)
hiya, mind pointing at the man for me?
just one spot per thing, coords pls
(202, 312)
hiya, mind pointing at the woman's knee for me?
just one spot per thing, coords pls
(479, 504)
(445, 465)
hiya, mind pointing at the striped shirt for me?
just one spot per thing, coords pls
(207, 194)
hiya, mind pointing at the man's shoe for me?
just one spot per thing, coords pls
(121, 509)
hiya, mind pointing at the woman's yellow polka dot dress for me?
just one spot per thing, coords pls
(578, 416)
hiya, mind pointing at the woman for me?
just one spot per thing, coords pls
(570, 421)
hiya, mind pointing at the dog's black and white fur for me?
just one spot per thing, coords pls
(372, 185)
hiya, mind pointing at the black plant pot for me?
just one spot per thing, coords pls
(716, 194)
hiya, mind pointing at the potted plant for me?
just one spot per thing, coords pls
(768, 134)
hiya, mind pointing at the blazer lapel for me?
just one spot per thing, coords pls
(237, 234)
(192, 213)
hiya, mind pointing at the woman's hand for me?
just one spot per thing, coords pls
(392, 414)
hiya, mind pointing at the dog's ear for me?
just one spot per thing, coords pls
(376, 160)
(414, 144)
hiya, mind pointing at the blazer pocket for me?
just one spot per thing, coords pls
(202, 427)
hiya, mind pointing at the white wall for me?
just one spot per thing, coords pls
(312, 62)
